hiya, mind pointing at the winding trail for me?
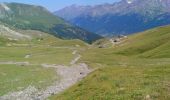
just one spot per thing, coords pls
(78, 56)
(69, 75)
(14, 63)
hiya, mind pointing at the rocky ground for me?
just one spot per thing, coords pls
(69, 75)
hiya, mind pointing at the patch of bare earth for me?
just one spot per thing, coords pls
(69, 75)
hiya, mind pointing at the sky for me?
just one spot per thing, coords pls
(54, 5)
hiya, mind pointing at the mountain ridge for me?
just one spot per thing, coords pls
(24, 16)
(124, 17)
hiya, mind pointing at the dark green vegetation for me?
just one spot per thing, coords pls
(23, 16)
(135, 69)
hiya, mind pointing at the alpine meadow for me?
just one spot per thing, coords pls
(117, 50)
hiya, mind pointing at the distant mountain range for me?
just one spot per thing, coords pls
(31, 17)
(124, 17)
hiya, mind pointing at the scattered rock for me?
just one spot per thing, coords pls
(69, 75)
(122, 36)
(20, 95)
(101, 46)
(27, 56)
(147, 97)
(117, 40)
(74, 52)
(77, 45)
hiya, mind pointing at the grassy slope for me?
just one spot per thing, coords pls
(46, 49)
(138, 69)
(151, 43)
(31, 17)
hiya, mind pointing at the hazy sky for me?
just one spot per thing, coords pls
(58, 4)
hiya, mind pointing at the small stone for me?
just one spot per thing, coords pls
(52, 93)
(147, 97)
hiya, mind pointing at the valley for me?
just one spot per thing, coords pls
(36, 63)
(37, 69)
(31, 67)
(45, 57)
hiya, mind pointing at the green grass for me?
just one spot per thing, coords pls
(39, 55)
(20, 77)
(147, 43)
(122, 83)
(46, 49)
(16, 77)
(41, 47)
(137, 68)
(121, 78)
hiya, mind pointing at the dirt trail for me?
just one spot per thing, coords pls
(77, 57)
(69, 75)
(74, 61)
(14, 63)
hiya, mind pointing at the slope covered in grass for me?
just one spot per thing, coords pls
(122, 83)
(22, 59)
(151, 43)
(135, 69)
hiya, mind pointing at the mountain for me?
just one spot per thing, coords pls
(18, 37)
(23, 16)
(124, 17)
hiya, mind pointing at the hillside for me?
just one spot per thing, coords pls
(135, 69)
(33, 17)
(151, 43)
(124, 17)
(24, 59)
(10, 36)
(36, 64)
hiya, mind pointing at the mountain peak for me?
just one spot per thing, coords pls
(124, 17)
